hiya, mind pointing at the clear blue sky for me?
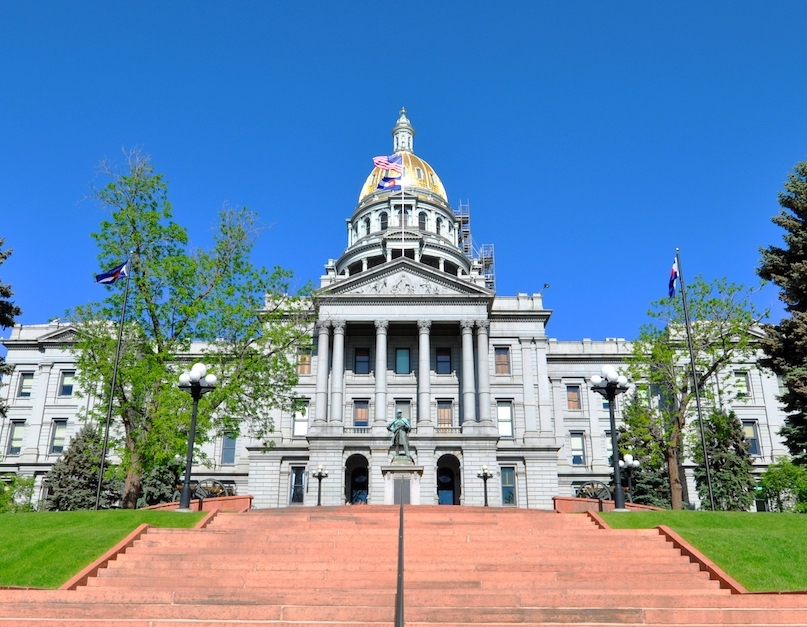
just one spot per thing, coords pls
(591, 138)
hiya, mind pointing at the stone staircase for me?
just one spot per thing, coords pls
(337, 566)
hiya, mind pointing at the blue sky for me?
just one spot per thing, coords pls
(591, 138)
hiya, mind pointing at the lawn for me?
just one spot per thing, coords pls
(763, 551)
(45, 549)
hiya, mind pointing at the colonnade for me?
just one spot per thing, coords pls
(471, 389)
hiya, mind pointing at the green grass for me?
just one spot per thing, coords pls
(45, 549)
(765, 552)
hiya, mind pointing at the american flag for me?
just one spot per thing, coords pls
(393, 162)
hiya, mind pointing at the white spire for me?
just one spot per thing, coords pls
(403, 134)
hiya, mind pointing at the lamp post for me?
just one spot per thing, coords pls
(609, 385)
(196, 382)
(484, 475)
(319, 475)
(629, 465)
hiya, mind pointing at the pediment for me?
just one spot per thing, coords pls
(404, 278)
(66, 335)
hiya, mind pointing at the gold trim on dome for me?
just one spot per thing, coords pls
(417, 172)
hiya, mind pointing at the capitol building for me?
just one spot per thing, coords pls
(407, 320)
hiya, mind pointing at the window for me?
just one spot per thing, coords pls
(361, 413)
(304, 362)
(573, 397)
(780, 385)
(57, 435)
(609, 448)
(439, 225)
(501, 356)
(297, 485)
(606, 404)
(443, 361)
(228, 449)
(504, 417)
(508, 486)
(299, 427)
(384, 220)
(403, 214)
(15, 438)
(402, 361)
(741, 383)
(578, 449)
(750, 432)
(362, 361)
(26, 384)
(366, 226)
(419, 173)
(422, 221)
(405, 407)
(445, 414)
(66, 384)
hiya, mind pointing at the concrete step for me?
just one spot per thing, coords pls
(337, 566)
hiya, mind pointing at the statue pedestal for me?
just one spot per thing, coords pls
(402, 482)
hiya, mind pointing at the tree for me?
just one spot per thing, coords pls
(785, 343)
(72, 482)
(642, 435)
(723, 318)
(16, 494)
(733, 485)
(784, 486)
(160, 483)
(8, 311)
(241, 319)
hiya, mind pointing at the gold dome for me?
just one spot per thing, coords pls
(416, 174)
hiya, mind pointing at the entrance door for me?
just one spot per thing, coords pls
(448, 480)
(358, 486)
(445, 486)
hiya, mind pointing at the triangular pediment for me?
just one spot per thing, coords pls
(404, 278)
(66, 335)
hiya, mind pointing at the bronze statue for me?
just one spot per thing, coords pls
(400, 429)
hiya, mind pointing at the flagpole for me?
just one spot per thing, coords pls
(695, 378)
(114, 379)
(403, 173)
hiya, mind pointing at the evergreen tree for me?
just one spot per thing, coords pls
(642, 435)
(785, 343)
(8, 311)
(160, 483)
(733, 485)
(72, 482)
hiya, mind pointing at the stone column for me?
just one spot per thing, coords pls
(483, 369)
(381, 327)
(338, 370)
(468, 384)
(424, 373)
(34, 426)
(545, 412)
(528, 375)
(323, 357)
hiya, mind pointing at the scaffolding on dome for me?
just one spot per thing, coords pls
(482, 253)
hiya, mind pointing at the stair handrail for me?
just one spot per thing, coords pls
(399, 594)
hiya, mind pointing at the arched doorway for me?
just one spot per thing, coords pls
(448, 480)
(357, 480)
